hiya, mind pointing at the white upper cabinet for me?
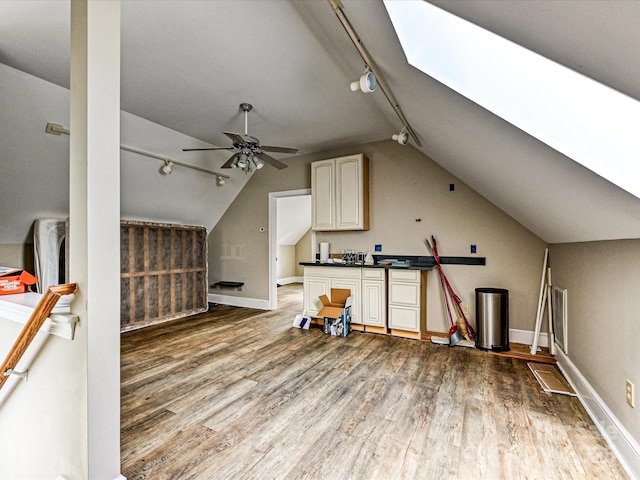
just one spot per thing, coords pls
(340, 193)
(323, 195)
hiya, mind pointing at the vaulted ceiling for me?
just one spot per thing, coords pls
(187, 65)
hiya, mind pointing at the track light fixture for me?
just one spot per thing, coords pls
(167, 168)
(402, 137)
(366, 83)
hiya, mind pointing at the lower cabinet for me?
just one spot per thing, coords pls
(384, 301)
(407, 303)
(374, 300)
(313, 287)
(320, 280)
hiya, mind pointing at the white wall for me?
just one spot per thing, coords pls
(40, 420)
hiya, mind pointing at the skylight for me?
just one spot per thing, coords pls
(585, 120)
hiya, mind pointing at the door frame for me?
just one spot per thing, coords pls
(273, 239)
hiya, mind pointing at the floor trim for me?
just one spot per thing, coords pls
(289, 280)
(526, 337)
(238, 301)
(623, 445)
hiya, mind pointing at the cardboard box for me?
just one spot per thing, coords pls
(333, 308)
(15, 281)
(341, 326)
(337, 312)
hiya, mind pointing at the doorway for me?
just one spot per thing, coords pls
(295, 222)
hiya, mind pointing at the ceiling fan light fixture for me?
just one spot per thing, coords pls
(242, 161)
(167, 168)
(248, 148)
(366, 83)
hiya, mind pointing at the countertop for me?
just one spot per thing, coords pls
(404, 262)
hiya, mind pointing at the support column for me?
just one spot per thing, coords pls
(94, 225)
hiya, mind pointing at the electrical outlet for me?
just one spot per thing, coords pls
(465, 308)
(630, 395)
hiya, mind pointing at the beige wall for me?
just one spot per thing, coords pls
(17, 255)
(602, 280)
(303, 252)
(238, 250)
(286, 264)
(409, 200)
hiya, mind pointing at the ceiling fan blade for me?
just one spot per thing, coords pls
(279, 149)
(271, 161)
(212, 148)
(235, 137)
(229, 163)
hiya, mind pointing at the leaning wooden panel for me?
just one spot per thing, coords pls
(163, 272)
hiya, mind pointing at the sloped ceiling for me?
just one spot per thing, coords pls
(294, 219)
(187, 65)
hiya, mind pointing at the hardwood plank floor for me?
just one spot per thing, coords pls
(237, 393)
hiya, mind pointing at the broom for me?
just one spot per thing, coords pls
(454, 335)
(462, 322)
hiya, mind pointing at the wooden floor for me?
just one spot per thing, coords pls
(238, 394)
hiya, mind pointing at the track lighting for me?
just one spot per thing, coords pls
(167, 168)
(402, 137)
(366, 83)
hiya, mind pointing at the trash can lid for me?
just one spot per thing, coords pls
(491, 290)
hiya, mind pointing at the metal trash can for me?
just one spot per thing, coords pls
(492, 319)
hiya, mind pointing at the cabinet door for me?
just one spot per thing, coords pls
(355, 285)
(406, 294)
(323, 196)
(404, 318)
(313, 288)
(349, 193)
(373, 303)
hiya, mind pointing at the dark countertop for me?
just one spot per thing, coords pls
(405, 262)
(360, 265)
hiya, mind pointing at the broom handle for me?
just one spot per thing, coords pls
(445, 299)
(455, 297)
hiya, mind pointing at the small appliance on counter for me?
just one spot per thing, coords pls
(324, 252)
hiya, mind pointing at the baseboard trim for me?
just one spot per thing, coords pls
(623, 445)
(288, 280)
(526, 337)
(238, 301)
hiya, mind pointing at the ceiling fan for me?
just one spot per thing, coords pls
(249, 151)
